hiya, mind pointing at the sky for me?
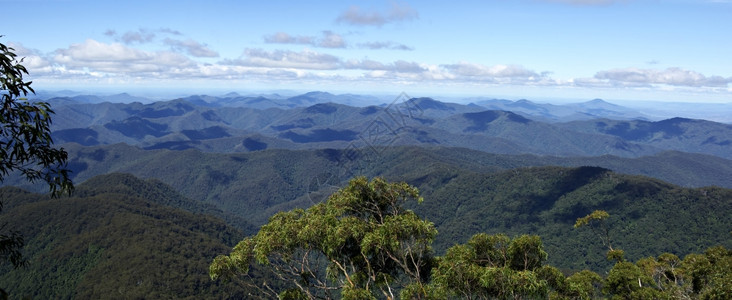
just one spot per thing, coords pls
(653, 50)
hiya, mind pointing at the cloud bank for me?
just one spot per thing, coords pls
(669, 76)
(181, 59)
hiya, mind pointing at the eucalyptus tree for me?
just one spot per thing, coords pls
(359, 244)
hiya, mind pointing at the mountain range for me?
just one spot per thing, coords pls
(183, 124)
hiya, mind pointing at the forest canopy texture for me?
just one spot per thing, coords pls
(363, 244)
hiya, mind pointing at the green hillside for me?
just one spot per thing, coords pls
(648, 216)
(252, 186)
(122, 237)
(114, 239)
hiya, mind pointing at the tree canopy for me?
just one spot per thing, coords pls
(362, 244)
(359, 244)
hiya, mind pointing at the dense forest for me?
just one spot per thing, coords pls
(363, 244)
(117, 237)
(159, 243)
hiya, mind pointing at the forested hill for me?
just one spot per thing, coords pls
(648, 216)
(255, 185)
(157, 192)
(117, 237)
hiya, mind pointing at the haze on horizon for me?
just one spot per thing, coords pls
(674, 50)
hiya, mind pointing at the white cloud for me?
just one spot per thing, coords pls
(355, 15)
(332, 40)
(670, 76)
(285, 38)
(169, 31)
(365, 64)
(328, 39)
(142, 36)
(145, 36)
(408, 67)
(92, 50)
(191, 47)
(466, 69)
(385, 45)
(33, 60)
(399, 66)
(307, 59)
(117, 59)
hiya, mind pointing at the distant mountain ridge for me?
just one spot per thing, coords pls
(542, 111)
(209, 126)
(596, 108)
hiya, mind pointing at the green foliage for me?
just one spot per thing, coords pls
(595, 216)
(526, 252)
(467, 271)
(158, 192)
(492, 266)
(25, 134)
(616, 255)
(647, 216)
(118, 237)
(597, 222)
(361, 242)
(109, 242)
(624, 279)
(10, 244)
(710, 274)
(582, 285)
(667, 277)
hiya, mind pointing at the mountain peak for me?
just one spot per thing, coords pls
(597, 102)
(317, 94)
(523, 103)
(232, 95)
(429, 103)
(322, 108)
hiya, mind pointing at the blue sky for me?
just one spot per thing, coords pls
(537, 49)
